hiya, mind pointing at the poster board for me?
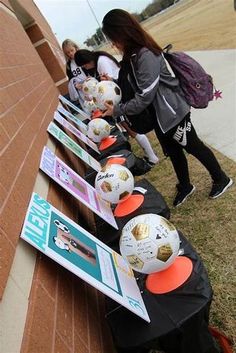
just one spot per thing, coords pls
(82, 126)
(65, 101)
(66, 177)
(75, 132)
(64, 241)
(61, 136)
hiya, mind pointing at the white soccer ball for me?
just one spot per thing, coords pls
(150, 243)
(115, 183)
(89, 87)
(89, 105)
(98, 129)
(106, 92)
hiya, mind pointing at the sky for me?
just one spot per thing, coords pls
(75, 20)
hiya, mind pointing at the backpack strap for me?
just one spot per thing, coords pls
(167, 48)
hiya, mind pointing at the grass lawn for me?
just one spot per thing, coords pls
(210, 226)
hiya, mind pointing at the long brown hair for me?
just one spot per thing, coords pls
(123, 28)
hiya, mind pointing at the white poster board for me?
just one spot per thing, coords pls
(66, 177)
(73, 106)
(64, 241)
(82, 126)
(76, 132)
(61, 136)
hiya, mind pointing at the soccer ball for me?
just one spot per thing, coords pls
(115, 183)
(150, 243)
(98, 129)
(106, 92)
(89, 105)
(89, 86)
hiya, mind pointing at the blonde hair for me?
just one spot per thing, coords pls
(66, 43)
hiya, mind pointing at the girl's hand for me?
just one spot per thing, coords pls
(78, 85)
(108, 111)
(105, 77)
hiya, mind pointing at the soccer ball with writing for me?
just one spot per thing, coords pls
(114, 183)
(106, 91)
(89, 106)
(98, 129)
(150, 243)
(89, 87)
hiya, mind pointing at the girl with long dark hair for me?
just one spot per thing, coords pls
(97, 63)
(157, 87)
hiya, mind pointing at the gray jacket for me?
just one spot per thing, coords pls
(156, 86)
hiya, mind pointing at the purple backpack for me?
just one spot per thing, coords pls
(196, 84)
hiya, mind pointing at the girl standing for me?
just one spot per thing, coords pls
(157, 87)
(75, 73)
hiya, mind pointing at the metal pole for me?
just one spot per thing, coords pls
(94, 15)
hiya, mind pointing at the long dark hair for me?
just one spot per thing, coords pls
(84, 56)
(122, 27)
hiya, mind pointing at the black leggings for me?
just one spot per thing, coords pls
(183, 136)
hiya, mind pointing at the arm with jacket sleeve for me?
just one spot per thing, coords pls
(146, 69)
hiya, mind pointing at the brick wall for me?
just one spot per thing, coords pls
(28, 99)
(64, 314)
(72, 310)
(43, 39)
(51, 61)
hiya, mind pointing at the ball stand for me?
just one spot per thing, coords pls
(116, 160)
(96, 114)
(173, 277)
(107, 142)
(129, 205)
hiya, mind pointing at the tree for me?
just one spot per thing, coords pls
(96, 39)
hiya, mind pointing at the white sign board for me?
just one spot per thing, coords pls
(73, 106)
(61, 136)
(76, 132)
(82, 126)
(64, 241)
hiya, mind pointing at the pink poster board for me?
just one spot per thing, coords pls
(66, 177)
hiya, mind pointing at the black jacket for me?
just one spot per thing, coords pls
(68, 70)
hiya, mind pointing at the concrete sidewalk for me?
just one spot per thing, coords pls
(216, 125)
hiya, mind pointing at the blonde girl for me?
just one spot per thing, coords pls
(75, 73)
